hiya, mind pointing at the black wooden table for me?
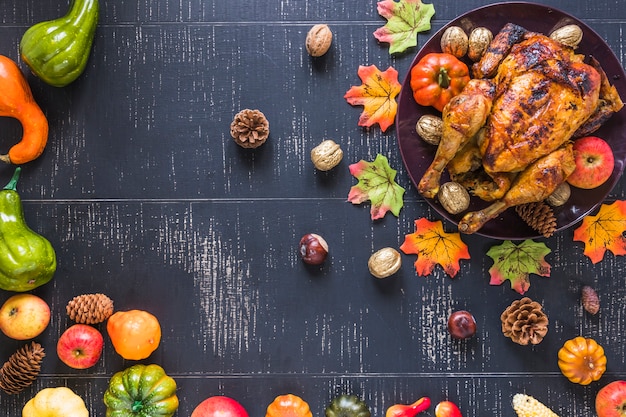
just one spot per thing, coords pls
(146, 198)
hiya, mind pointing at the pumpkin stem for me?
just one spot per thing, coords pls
(13, 182)
(137, 406)
(443, 79)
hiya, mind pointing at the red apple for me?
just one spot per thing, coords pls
(594, 162)
(219, 406)
(611, 400)
(80, 346)
(24, 316)
(447, 409)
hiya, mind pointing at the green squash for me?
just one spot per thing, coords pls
(347, 406)
(27, 259)
(141, 391)
(57, 50)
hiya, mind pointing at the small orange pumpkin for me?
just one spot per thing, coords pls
(288, 405)
(582, 360)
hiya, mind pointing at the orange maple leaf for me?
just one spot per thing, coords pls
(433, 245)
(377, 94)
(604, 231)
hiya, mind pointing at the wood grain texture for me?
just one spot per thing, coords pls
(146, 198)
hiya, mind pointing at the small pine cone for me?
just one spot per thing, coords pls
(250, 128)
(90, 308)
(22, 368)
(590, 300)
(539, 216)
(524, 322)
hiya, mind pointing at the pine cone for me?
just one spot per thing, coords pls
(524, 322)
(539, 216)
(250, 128)
(90, 308)
(22, 368)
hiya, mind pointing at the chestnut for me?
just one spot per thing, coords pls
(461, 324)
(313, 249)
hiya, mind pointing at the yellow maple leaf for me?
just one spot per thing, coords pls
(604, 231)
(433, 245)
(377, 94)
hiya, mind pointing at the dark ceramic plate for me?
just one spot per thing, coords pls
(417, 154)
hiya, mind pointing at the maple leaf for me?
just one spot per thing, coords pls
(433, 245)
(377, 184)
(517, 262)
(378, 94)
(604, 231)
(405, 19)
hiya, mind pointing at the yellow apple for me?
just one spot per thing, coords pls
(24, 316)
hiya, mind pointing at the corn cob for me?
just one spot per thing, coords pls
(527, 406)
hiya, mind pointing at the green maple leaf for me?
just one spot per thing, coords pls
(377, 184)
(516, 263)
(405, 19)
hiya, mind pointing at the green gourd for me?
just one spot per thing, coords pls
(27, 259)
(141, 391)
(347, 406)
(57, 50)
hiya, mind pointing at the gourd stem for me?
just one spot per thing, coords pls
(137, 406)
(443, 78)
(13, 182)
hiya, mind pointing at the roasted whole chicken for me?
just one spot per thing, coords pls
(507, 136)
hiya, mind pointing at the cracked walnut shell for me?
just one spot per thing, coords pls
(250, 128)
(524, 322)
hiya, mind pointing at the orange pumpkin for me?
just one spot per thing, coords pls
(288, 405)
(582, 360)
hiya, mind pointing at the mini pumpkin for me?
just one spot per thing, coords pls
(141, 391)
(582, 360)
(288, 405)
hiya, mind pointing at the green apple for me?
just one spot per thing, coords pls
(24, 316)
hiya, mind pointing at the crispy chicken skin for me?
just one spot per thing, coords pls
(544, 94)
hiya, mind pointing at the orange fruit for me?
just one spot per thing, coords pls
(135, 334)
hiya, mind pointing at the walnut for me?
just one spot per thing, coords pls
(569, 35)
(430, 128)
(326, 155)
(479, 40)
(384, 262)
(560, 195)
(318, 40)
(453, 197)
(250, 128)
(454, 41)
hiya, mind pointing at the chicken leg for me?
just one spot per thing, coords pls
(462, 118)
(534, 184)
